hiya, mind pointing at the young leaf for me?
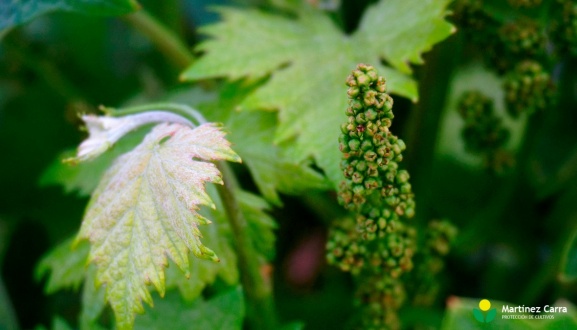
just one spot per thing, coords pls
(13, 13)
(224, 311)
(318, 57)
(204, 272)
(66, 264)
(145, 209)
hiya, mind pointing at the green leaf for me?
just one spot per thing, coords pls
(400, 31)
(459, 315)
(224, 312)
(252, 134)
(16, 12)
(271, 168)
(569, 261)
(261, 225)
(314, 57)
(66, 264)
(59, 323)
(145, 209)
(93, 301)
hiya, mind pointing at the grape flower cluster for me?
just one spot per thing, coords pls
(528, 88)
(564, 27)
(483, 132)
(376, 244)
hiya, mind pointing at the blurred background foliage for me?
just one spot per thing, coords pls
(515, 209)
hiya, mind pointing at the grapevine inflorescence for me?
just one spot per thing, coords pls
(528, 88)
(376, 244)
(483, 132)
(564, 27)
(517, 50)
(424, 285)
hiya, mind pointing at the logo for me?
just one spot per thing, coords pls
(485, 313)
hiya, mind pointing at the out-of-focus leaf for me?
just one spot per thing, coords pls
(294, 326)
(93, 301)
(145, 209)
(569, 261)
(261, 225)
(16, 12)
(224, 312)
(319, 56)
(459, 315)
(66, 265)
(58, 323)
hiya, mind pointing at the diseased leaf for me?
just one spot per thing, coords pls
(204, 272)
(66, 264)
(145, 209)
(218, 236)
(224, 312)
(317, 56)
(15, 12)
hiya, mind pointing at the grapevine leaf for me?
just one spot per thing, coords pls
(203, 272)
(271, 168)
(66, 264)
(318, 56)
(93, 301)
(252, 134)
(145, 209)
(224, 311)
(261, 225)
(569, 260)
(15, 12)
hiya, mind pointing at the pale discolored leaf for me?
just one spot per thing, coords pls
(145, 209)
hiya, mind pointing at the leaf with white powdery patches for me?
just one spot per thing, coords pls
(145, 209)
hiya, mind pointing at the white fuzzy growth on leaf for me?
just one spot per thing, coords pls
(104, 131)
(145, 209)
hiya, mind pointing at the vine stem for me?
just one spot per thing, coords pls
(170, 45)
(258, 292)
(261, 313)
